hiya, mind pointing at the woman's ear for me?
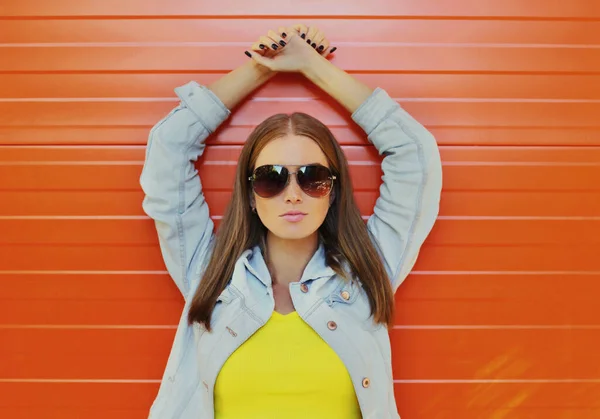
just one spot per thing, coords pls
(252, 200)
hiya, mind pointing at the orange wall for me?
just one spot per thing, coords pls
(498, 319)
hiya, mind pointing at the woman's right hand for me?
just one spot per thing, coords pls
(292, 52)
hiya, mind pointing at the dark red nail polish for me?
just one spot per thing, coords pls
(321, 48)
(308, 41)
(303, 36)
(313, 45)
(261, 46)
(282, 43)
(248, 54)
(274, 46)
(284, 35)
(332, 49)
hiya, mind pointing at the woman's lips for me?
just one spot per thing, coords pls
(294, 217)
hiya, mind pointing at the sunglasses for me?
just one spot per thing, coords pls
(270, 180)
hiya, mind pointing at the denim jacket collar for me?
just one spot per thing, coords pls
(316, 268)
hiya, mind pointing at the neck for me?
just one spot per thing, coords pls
(288, 258)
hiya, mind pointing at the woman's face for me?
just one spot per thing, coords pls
(292, 151)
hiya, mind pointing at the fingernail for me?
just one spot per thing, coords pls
(274, 46)
(284, 35)
(332, 49)
(308, 40)
(321, 48)
(248, 54)
(282, 43)
(313, 45)
(303, 36)
(261, 46)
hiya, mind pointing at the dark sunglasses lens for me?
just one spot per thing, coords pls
(315, 180)
(270, 180)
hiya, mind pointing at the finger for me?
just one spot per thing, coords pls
(283, 31)
(301, 29)
(276, 38)
(329, 51)
(259, 59)
(323, 47)
(317, 39)
(259, 48)
(312, 31)
(268, 43)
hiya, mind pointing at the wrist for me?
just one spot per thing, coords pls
(315, 67)
(261, 72)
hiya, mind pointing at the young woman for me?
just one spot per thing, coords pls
(287, 308)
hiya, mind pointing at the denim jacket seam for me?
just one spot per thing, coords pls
(243, 305)
(181, 208)
(314, 307)
(419, 198)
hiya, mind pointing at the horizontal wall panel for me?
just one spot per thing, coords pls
(414, 399)
(443, 258)
(433, 258)
(79, 353)
(431, 112)
(124, 176)
(489, 399)
(420, 287)
(404, 87)
(154, 286)
(263, 8)
(502, 299)
(138, 135)
(495, 354)
(447, 231)
(450, 354)
(509, 258)
(79, 395)
(81, 258)
(73, 413)
(240, 31)
(99, 312)
(381, 58)
(474, 203)
(101, 285)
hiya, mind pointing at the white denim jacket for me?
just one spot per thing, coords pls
(403, 217)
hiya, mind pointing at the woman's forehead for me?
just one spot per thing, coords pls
(292, 151)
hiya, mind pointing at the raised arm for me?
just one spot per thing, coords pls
(169, 179)
(409, 198)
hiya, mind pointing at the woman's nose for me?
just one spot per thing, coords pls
(293, 192)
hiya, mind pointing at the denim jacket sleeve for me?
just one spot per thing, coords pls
(409, 198)
(172, 187)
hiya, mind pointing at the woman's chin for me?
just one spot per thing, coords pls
(293, 231)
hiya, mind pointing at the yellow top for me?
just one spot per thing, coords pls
(285, 370)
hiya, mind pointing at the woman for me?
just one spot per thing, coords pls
(288, 306)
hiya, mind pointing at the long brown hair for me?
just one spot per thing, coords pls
(344, 234)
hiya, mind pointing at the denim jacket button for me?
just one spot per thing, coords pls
(366, 382)
(304, 288)
(345, 295)
(332, 325)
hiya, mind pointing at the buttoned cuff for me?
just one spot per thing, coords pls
(375, 109)
(204, 104)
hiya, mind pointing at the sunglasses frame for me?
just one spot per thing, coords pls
(331, 176)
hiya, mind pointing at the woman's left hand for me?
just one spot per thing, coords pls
(292, 52)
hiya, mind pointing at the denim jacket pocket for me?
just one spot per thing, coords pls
(352, 300)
